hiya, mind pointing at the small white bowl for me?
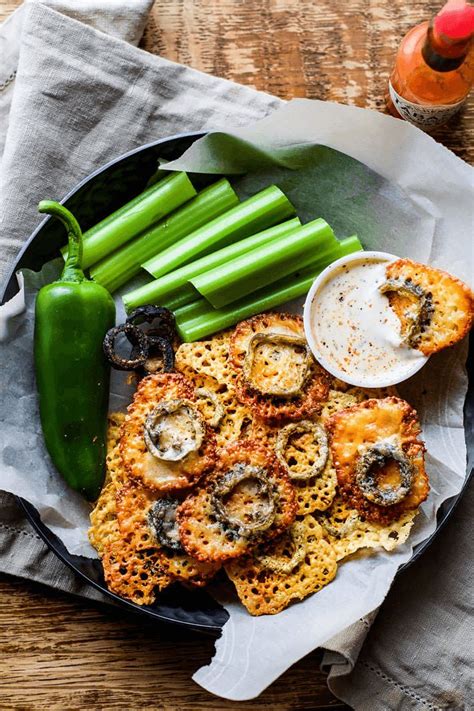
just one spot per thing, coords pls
(356, 379)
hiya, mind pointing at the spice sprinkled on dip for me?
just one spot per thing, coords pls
(351, 328)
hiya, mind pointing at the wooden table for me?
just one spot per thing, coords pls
(65, 653)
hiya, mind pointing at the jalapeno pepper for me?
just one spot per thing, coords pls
(71, 318)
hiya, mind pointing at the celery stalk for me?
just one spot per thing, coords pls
(266, 208)
(175, 284)
(139, 214)
(233, 279)
(123, 264)
(182, 296)
(200, 319)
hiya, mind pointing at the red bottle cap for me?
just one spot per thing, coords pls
(455, 20)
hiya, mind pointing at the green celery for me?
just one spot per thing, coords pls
(235, 278)
(266, 208)
(175, 285)
(179, 298)
(123, 264)
(200, 319)
(131, 219)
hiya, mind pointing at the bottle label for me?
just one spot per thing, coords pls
(424, 117)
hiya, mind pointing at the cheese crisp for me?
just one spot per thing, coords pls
(139, 523)
(313, 491)
(379, 458)
(435, 309)
(278, 377)
(135, 575)
(209, 358)
(290, 568)
(251, 460)
(247, 498)
(130, 572)
(348, 531)
(186, 453)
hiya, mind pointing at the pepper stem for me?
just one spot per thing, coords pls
(72, 269)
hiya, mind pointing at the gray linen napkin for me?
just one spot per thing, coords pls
(81, 98)
(115, 17)
(419, 653)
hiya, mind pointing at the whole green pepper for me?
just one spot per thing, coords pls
(71, 318)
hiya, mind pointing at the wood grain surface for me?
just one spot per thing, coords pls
(64, 653)
(335, 50)
(60, 652)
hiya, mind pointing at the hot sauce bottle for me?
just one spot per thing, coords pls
(434, 68)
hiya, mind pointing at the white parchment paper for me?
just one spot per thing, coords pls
(363, 172)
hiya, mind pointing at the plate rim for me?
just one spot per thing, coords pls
(151, 144)
(49, 537)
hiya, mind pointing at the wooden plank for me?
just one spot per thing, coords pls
(334, 50)
(7, 7)
(68, 653)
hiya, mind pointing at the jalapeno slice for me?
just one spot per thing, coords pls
(163, 523)
(278, 564)
(163, 320)
(347, 527)
(206, 394)
(376, 456)
(160, 355)
(160, 337)
(254, 521)
(173, 430)
(419, 318)
(275, 388)
(320, 437)
(138, 340)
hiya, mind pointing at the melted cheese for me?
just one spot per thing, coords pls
(178, 432)
(278, 366)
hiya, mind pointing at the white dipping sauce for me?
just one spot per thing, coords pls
(355, 333)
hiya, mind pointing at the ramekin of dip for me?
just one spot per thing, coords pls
(350, 327)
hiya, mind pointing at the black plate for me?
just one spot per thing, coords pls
(91, 200)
